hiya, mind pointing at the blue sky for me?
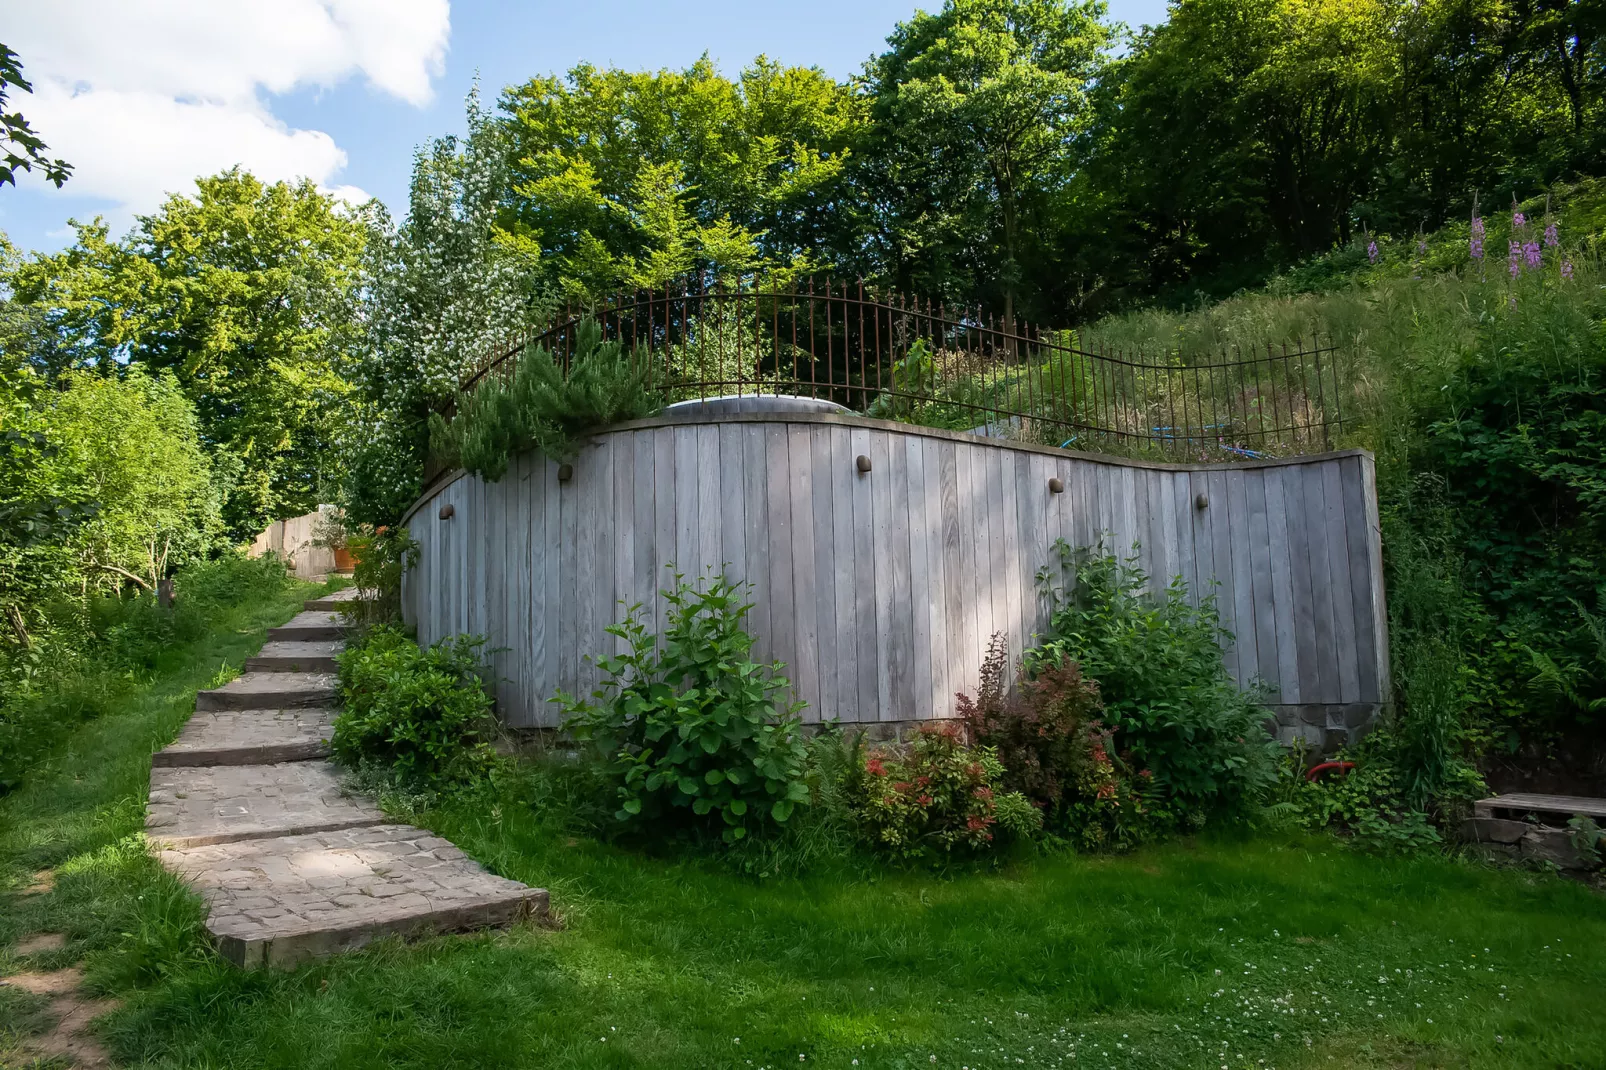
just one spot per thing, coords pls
(144, 94)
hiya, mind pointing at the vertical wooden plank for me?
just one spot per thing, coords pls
(1321, 582)
(732, 504)
(552, 536)
(644, 561)
(569, 558)
(853, 645)
(1009, 514)
(1282, 589)
(581, 491)
(997, 600)
(981, 521)
(1344, 640)
(1260, 566)
(872, 660)
(892, 573)
(1187, 552)
(971, 521)
(666, 486)
(1243, 591)
(709, 558)
(1360, 579)
(1307, 656)
(922, 693)
(931, 501)
(822, 519)
(755, 473)
(1220, 519)
(955, 606)
(1374, 558)
(688, 533)
(799, 486)
(1037, 509)
(783, 606)
(528, 549)
(623, 447)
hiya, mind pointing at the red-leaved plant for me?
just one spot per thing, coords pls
(933, 798)
(1054, 749)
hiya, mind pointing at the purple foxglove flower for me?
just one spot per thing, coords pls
(1552, 236)
(1371, 251)
(1475, 246)
(1530, 253)
(1518, 220)
(1514, 258)
(1422, 246)
(1566, 269)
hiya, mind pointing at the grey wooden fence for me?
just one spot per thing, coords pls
(880, 589)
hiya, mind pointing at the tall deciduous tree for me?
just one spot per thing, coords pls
(977, 110)
(631, 178)
(245, 292)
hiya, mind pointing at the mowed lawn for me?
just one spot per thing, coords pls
(1273, 950)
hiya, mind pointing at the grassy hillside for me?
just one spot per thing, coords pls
(1480, 383)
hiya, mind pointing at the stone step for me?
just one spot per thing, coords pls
(303, 656)
(309, 626)
(249, 737)
(277, 902)
(273, 691)
(191, 806)
(330, 602)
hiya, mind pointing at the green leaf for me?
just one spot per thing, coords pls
(781, 811)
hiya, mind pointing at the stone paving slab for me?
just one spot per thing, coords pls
(191, 806)
(310, 625)
(332, 601)
(273, 691)
(249, 737)
(280, 901)
(312, 656)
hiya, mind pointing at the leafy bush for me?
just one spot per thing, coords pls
(383, 556)
(689, 725)
(545, 406)
(1057, 753)
(1167, 695)
(84, 653)
(421, 715)
(934, 798)
(1369, 804)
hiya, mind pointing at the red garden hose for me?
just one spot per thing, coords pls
(1314, 772)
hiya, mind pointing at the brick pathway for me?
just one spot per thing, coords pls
(292, 866)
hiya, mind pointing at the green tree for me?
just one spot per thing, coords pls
(632, 178)
(130, 445)
(20, 148)
(246, 293)
(977, 110)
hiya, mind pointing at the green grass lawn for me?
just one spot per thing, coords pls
(1275, 951)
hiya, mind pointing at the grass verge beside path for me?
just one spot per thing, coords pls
(1277, 951)
(80, 818)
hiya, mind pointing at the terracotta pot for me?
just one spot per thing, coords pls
(344, 562)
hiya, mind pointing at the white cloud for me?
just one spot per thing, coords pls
(144, 95)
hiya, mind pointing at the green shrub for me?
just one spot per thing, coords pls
(545, 406)
(1369, 804)
(935, 799)
(383, 557)
(691, 729)
(1058, 754)
(420, 715)
(84, 653)
(1173, 706)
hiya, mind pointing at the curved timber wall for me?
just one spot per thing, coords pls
(880, 589)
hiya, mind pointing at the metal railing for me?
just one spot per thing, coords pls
(889, 356)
